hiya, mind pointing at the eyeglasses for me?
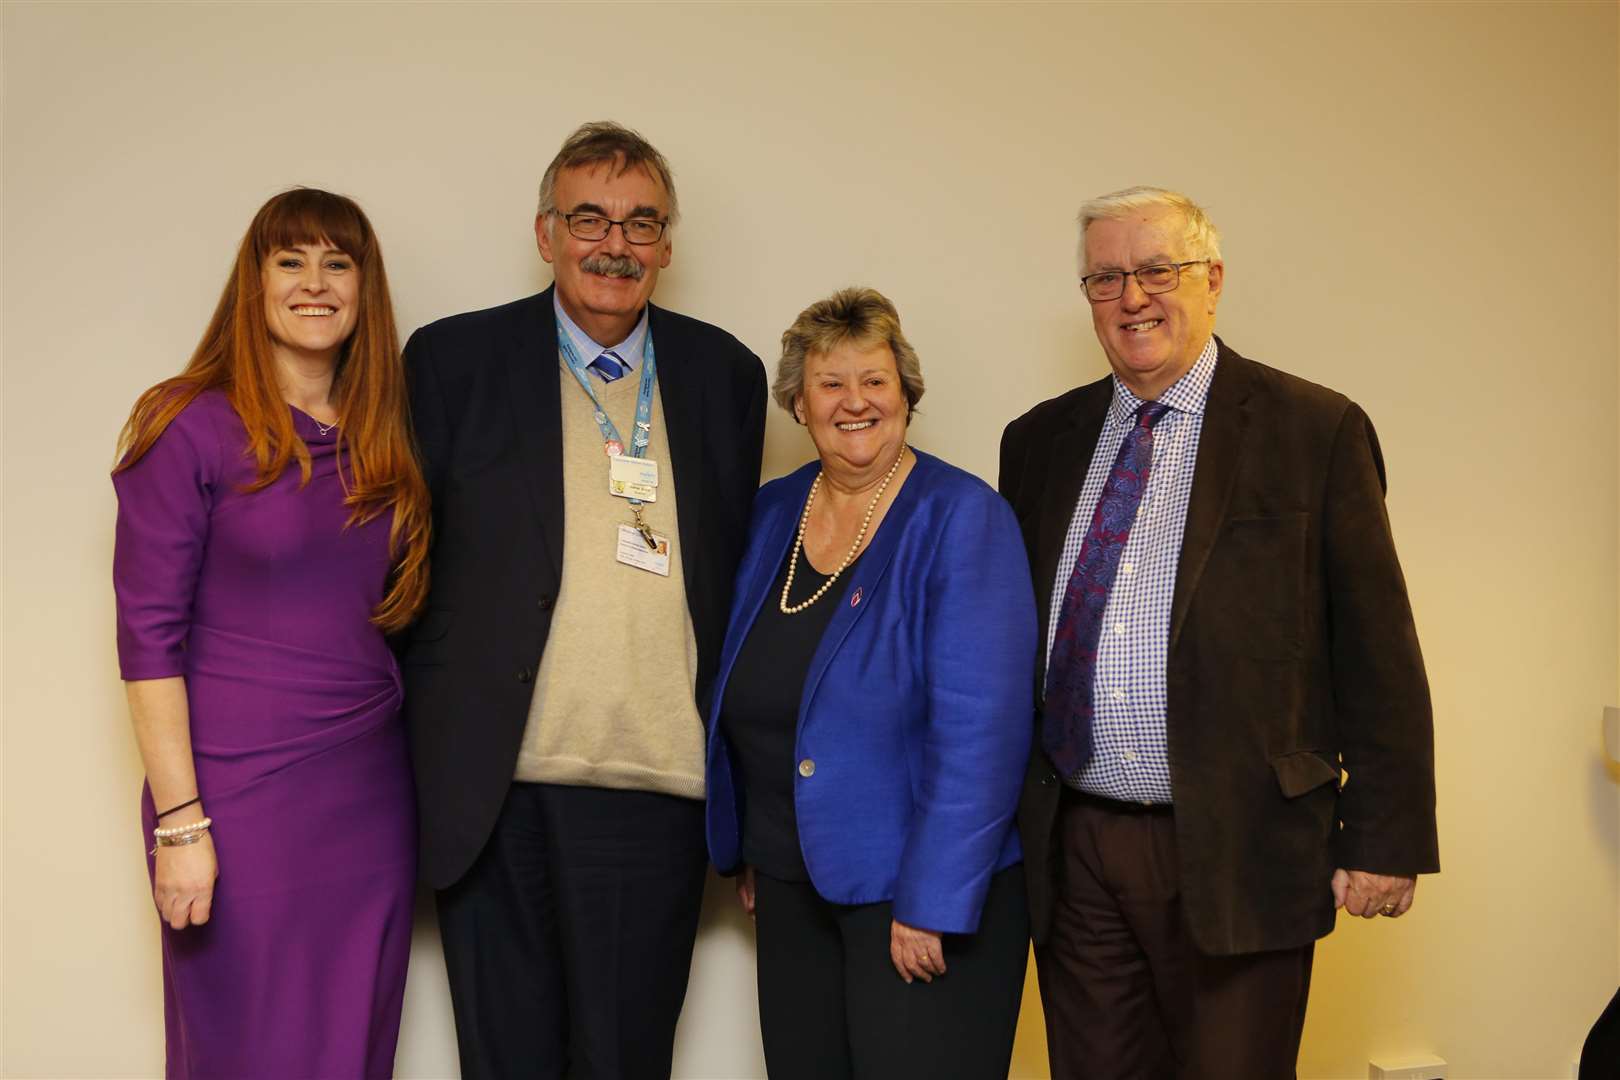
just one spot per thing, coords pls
(1159, 278)
(640, 231)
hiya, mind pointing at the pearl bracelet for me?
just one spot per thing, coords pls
(180, 835)
(182, 830)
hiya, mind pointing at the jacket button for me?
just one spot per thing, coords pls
(807, 768)
(547, 602)
(524, 675)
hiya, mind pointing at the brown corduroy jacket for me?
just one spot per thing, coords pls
(1293, 660)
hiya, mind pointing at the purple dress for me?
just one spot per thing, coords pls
(263, 602)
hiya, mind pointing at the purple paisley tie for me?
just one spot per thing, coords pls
(1072, 668)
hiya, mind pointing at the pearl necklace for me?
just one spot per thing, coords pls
(849, 556)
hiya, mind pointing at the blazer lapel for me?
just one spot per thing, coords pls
(1069, 458)
(681, 394)
(864, 582)
(1220, 448)
(531, 364)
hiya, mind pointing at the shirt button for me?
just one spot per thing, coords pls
(1118, 695)
(807, 768)
(1127, 568)
(1129, 755)
(524, 675)
(1119, 628)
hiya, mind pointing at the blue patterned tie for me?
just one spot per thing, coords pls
(608, 366)
(1072, 667)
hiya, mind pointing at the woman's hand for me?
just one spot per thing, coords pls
(917, 954)
(183, 883)
(745, 890)
(183, 875)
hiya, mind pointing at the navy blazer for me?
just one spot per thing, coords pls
(486, 402)
(916, 706)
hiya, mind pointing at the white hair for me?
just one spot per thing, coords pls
(1202, 238)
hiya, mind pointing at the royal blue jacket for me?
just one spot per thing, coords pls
(917, 708)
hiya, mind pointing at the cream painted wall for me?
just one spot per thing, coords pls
(1420, 209)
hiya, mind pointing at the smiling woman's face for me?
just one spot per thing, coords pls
(854, 407)
(311, 300)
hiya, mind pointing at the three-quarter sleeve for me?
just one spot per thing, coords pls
(164, 501)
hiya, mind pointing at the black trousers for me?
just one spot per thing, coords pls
(1127, 995)
(569, 942)
(832, 1007)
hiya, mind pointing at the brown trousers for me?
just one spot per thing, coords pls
(1127, 995)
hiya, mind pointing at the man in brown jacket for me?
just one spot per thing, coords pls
(1234, 735)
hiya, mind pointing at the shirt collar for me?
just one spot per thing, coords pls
(628, 350)
(1187, 394)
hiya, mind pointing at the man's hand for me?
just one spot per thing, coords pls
(1371, 895)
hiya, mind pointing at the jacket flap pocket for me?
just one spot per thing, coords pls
(1299, 771)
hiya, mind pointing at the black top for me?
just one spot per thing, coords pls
(760, 716)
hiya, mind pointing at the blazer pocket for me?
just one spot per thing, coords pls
(427, 639)
(1302, 771)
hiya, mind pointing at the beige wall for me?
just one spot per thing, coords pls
(1420, 209)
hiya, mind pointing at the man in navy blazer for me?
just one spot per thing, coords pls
(1235, 642)
(552, 685)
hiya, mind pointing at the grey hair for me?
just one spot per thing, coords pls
(858, 316)
(1202, 238)
(603, 142)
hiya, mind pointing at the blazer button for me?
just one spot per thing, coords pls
(807, 768)
(547, 602)
(524, 675)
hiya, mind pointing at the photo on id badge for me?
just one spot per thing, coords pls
(645, 551)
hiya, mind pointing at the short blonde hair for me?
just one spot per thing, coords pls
(856, 315)
(1203, 239)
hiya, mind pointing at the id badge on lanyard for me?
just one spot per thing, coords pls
(631, 476)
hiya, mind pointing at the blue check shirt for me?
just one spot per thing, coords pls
(1129, 760)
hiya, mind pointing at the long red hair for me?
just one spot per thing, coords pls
(368, 388)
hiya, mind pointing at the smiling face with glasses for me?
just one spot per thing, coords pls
(606, 240)
(1152, 307)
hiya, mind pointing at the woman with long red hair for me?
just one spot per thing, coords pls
(272, 528)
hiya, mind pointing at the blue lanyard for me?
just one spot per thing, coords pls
(611, 439)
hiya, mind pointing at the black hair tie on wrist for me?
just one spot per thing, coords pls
(182, 806)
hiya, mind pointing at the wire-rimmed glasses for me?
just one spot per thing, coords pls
(1158, 278)
(637, 230)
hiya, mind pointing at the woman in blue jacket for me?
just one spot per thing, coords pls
(870, 729)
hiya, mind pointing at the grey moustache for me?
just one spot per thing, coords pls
(619, 266)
